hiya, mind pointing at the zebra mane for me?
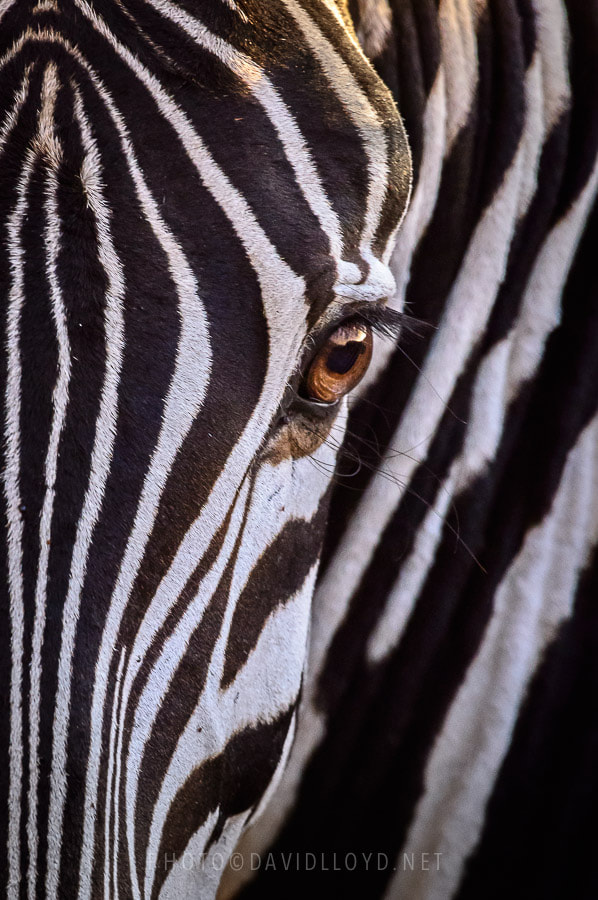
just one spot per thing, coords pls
(373, 23)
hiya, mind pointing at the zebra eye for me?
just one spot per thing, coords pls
(340, 364)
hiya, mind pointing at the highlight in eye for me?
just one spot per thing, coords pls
(340, 364)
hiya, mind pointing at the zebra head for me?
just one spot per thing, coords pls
(198, 208)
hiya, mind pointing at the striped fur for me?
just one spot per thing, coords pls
(448, 706)
(189, 193)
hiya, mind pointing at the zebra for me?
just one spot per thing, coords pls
(199, 203)
(448, 719)
(415, 639)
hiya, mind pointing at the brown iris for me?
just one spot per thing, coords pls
(340, 364)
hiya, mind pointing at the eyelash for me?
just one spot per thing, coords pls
(383, 320)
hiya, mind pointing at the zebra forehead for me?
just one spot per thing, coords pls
(296, 139)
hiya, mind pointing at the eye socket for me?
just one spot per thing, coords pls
(340, 364)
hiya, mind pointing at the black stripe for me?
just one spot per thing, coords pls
(224, 783)
(583, 72)
(409, 66)
(283, 566)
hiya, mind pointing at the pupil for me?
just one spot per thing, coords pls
(341, 359)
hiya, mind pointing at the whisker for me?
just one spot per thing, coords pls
(445, 404)
(347, 452)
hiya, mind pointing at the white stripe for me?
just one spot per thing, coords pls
(541, 308)
(12, 493)
(111, 778)
(457, 22)
(49, 147)
(347, 26)
(13, 114)
(15, 524)
(184, 884)
(402, 597)
(5, 5)
(417, 217)
(234, 5)
(45, 6)
(553, 41)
